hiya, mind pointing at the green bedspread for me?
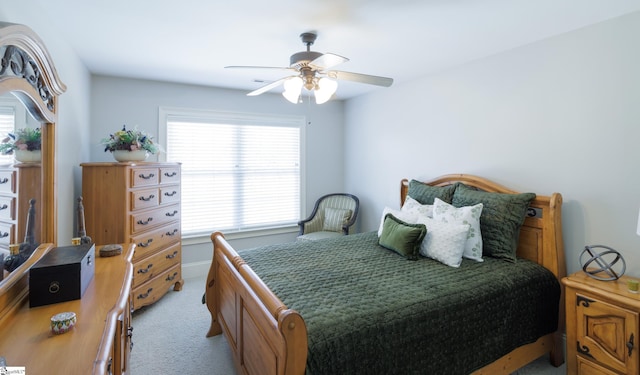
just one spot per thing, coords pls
(371, 311)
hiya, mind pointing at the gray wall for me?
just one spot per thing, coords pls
(560, 115)
(118, 101)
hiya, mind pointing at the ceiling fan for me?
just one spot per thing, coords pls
(311, 70)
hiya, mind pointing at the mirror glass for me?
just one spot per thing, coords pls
(20, 182)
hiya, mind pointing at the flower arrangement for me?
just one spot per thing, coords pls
(130, 140)
(27, 139)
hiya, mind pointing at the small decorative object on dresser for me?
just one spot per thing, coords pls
(130, 145)
(602, 326)
(140, 204)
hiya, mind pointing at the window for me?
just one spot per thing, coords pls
(12, 117)
(240, 172)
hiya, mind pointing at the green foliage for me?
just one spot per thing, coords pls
(130, 140)
(22, 139)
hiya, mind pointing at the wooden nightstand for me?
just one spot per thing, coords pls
(602, 326)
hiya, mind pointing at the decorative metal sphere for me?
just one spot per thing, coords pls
(607, 265)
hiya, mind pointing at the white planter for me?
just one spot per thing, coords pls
(25, 156)
(124, 155)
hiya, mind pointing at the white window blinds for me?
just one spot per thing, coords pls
(7, 125)
(239, 172)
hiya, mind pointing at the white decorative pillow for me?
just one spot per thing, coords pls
(444, 241)
(408, 217)
(470, 215)
(334, 218)
(412, 205)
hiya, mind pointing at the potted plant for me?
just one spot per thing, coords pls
(25, 144)
(130, 145)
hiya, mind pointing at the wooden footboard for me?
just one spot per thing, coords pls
(264, 335)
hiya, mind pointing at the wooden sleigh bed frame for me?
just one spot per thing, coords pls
(266, 337)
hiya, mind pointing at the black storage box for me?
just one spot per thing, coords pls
(61, 275)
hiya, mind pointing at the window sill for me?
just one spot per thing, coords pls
(206, 238)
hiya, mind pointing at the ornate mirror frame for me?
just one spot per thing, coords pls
(27, 71)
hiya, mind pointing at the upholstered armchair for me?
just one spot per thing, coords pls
(332, 216)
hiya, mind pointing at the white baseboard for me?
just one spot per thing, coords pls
(197, 270)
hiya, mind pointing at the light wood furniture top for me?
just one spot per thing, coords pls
(99, 342)
(602, 326)
(268, 338)
(138, 203)
(20, 45)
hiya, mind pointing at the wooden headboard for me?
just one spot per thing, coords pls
(541, 233)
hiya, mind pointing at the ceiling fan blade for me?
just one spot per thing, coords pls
(361, 78)
(268, 87)
(327, 61)
(258, 67)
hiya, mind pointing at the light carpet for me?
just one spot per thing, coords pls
(169, 338)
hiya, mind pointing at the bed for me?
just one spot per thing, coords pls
(349, 305)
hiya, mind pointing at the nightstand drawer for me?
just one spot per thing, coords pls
(7, 234)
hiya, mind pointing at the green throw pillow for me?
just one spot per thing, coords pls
(401, 237)
(425, 194)
(500, 221)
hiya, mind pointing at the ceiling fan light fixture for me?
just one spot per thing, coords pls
(292, 89)
(325, 89)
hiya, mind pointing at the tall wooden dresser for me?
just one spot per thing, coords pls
(24, 178)
(138, 203)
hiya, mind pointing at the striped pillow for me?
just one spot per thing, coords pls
(334, 218)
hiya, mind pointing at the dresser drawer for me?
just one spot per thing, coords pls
(8, 208)
(151, 291)
(7, 234)
(144, 176)
(8, 181)
(150, 242)
(150, 267)
(145, 220)
(144, 199)
(169, 175)
(170, 194)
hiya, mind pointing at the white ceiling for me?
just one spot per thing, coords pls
(191, 41)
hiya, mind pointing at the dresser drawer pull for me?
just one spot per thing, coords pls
(150, 197)
(171, 256)
(145, 270)
(4, 207)
(171, 194)
(130, 335)
(4, 234)
(145, 244)
(630, 344)
(150, 175)
(145, 295)
(172, 233)
(4, 180)
(170, 214)
(150, 219)
(167, 174)
(171, 277)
